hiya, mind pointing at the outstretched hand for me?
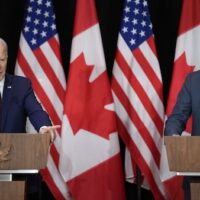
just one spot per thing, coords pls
(50, 130)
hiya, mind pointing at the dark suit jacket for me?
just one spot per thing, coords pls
(188, 102)
(19, 102)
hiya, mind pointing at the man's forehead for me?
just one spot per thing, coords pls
(2, 45)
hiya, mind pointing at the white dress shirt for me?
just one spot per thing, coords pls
(1, 86)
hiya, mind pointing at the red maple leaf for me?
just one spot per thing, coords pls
(85, 101)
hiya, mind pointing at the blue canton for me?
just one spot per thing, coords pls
(136, 26)
(39, 24)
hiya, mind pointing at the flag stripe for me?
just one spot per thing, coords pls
(136, 104)
(130, 136)
(139, 158)
(153, 64)
(57, 141)
(54, 173)
(151, 43)
(146, 67)
(49, 51)
(139, 91)
(55, 155)
(41, 94)
(37, 87)
(141, 77)
(39, 75)
(137, 138)
(137, 121)
(54, 43)
(44, 63)
(52, 184)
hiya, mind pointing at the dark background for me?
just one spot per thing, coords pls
(165, 16)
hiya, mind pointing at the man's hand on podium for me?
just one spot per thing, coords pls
(50, 130)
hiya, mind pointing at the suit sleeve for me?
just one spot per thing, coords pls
(176, 122)
(34, 110)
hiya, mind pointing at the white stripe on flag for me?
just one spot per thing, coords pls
(57, 178)
(139, 142)
(152, 59)
(41, 76)
(137, 104)
(55, 63)
(141, 77)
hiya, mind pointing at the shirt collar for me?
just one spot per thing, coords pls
(2, 85)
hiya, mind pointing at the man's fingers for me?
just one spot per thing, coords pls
(51, 130)
(55, 127)
(53, 136)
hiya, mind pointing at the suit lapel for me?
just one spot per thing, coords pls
(7, 94)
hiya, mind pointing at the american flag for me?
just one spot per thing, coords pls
(137, 92)
(39, 59)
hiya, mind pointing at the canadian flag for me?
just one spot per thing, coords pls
(90, 156)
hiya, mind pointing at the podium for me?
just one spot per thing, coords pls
(183, 154)
(20, 154)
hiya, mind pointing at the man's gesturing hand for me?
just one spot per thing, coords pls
(50, 130)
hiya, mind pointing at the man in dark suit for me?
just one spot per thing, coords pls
(187, 104)
(17, 102)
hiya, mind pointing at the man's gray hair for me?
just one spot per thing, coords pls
(2, 41)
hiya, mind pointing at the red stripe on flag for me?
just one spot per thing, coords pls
(137, 121)
(38, 88)
(141, 93)
(151, 44)
(55, 47)
(138, 157)
(55, 155)
(42, 96)
(47, 68)
(150, 73)
(51, 184)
